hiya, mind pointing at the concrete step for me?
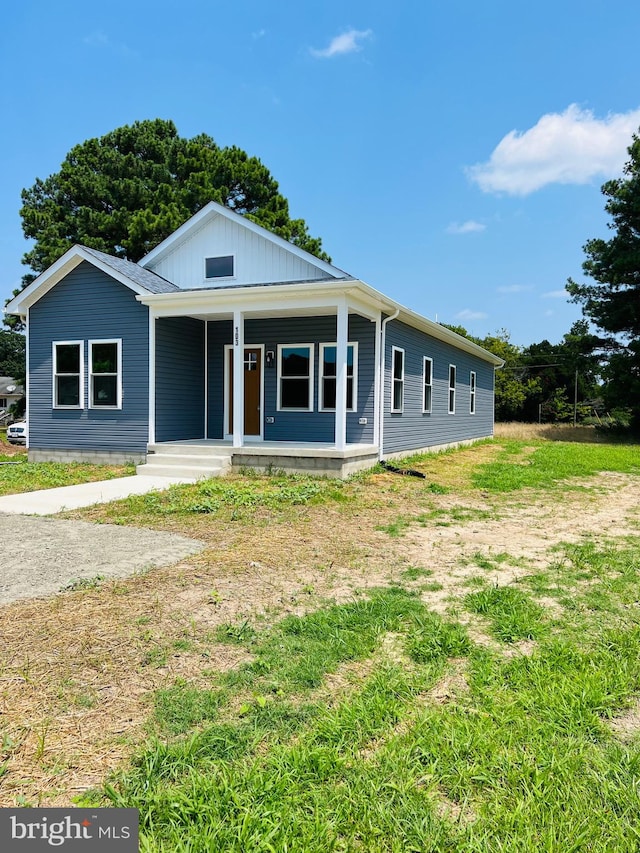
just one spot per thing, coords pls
(180, 459)
(192, 472)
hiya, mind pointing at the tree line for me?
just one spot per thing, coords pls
(124, 192)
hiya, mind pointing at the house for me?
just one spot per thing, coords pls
(10, 393)
(227, 345)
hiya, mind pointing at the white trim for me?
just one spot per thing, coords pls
(206, 379)
(473, 381)
(72, 258)
(311, 348)
(381, 367)
(323, 346)
(152, 377)
(425, 359)
(213, 209)
(392, 408)
(118, 374)
(225, 390)
(238, 378)
(452, 389)
(214, 278)
(27, 381)
(342, 338)
(363, 299)
(54, 384)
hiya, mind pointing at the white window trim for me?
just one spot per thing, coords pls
(54, 389)
(118, 342)
(452, 408)
(218, 277)
(321, 405)
(425, 359)
(311, 348)
(472, 392)
(394, 350)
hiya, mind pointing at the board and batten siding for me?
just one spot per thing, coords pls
(179, 378)
(295, 426)
(412, 429)
(256, 259)
(89, 305)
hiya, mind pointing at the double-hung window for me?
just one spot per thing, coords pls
(68, 374)
(328, 377)
(397, 379)
(472, 392)
(295, 377)
(427, 384)
(105, 374)
(452, 389)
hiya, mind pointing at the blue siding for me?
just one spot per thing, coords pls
(88, 304)
(296, 426)
(179, 378)
(219, 333)
(412, 429)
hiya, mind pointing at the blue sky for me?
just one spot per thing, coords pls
(448, 153)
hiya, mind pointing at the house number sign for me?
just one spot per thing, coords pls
(237, 336)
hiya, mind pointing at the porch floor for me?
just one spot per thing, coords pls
(273, 448)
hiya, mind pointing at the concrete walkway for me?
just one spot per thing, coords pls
(51, 501)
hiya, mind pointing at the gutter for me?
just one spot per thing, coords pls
(383, 341)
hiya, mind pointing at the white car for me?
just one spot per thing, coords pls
(17, 433)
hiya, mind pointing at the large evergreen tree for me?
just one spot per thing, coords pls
(612, 303)
(125, 192)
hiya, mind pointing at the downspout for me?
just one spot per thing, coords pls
(383, 340)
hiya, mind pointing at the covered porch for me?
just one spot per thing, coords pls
(286, 376)
(198, 458)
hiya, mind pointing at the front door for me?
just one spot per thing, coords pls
(252, 390)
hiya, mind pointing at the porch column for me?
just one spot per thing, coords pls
(342, 339)
(377, 381)
(238, 378)
(152, 377)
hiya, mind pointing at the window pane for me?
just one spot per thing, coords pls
(329, 393)
(427, 399)
(219, 267)
(68, 358)
(295, 361)
(104, 358)
(427, 372)
(397, 395)
(398, 358)
(350, 393)
(294, 394)
(105, 391)
(67, 390)
(329, 362)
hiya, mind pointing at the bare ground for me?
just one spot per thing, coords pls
(75, 687)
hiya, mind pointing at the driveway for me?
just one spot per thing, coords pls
(42, 555)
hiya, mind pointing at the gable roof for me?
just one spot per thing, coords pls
(132, 275)
(213, 209)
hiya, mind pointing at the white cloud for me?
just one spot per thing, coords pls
(467, 314)
(515, 288)
(555, 294)
(349, 42)
(572, 147)
(467, 227)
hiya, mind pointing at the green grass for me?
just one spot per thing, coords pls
(18, 476)
(511, 613)
(552, 463)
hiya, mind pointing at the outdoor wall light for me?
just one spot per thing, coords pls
(271, 358)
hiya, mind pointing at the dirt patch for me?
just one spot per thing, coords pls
(522, 539)
(42, 555)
